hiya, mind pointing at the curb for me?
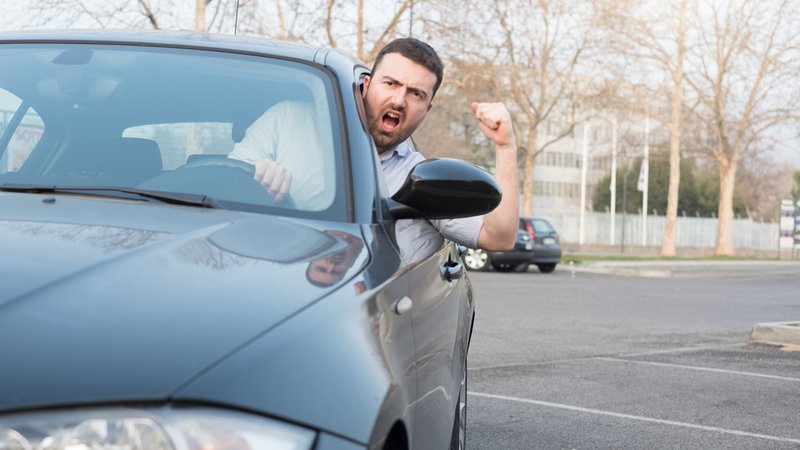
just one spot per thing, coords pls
(776, 333)
(625, 271)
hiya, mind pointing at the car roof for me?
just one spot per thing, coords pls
(191, 39)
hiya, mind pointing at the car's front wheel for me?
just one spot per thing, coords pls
(476, 259)
(458, 441)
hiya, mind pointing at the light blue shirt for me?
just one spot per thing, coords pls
(290, 134)
(418, 238)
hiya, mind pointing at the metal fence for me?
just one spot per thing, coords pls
(699, 232)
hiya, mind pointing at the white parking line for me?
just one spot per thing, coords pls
(683, 350)
(702, 369)
(639, 418)
(586, 358)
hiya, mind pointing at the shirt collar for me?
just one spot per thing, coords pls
(402, 150)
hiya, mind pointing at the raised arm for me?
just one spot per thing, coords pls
(499, 230)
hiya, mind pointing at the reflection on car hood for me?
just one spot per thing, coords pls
(106, 300)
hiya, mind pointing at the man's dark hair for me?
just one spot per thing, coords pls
(417, 51)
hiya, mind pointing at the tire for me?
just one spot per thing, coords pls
(477, 260)
(458, 439)
(546, 268)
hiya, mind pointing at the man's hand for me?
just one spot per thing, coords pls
(494, 121)
(275, 179)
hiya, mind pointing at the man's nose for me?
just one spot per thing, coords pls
(399, 98)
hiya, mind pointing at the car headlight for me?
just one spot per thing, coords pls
(149, 429)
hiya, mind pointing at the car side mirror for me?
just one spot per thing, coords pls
(445, 188)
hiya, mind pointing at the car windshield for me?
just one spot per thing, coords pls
(542, 226)
(167, 120)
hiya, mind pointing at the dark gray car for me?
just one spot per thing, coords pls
(537, 243)
(152, 296)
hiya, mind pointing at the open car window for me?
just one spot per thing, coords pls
(171, 120)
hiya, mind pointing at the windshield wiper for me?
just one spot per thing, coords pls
(173, 198)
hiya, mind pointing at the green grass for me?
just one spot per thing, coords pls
(579, 259)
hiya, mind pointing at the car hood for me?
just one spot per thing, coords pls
(104, 300)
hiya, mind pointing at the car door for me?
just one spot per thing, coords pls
(442, 311)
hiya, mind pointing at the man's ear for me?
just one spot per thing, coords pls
(430, 105)
(365, 86)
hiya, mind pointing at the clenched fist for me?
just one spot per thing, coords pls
(494, 121)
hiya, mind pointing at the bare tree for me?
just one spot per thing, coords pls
(328, 23)
(745, 60)
(218, 16)
(450, 129)
(148, 12)
(281, 22)
(154, 14)
(88, 14)
(281, 19)
(654, 33)
(540, 46)
(337, 24)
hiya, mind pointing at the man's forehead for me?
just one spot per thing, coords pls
(399, 67)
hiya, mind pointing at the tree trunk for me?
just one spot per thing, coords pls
(727, 177)
(668, 242)
(200, 15)
(530, 165)
(360, 30)
(676, 119)
(281, 23)
(148, 12)
(328, 21)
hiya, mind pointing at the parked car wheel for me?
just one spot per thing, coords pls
(477, 260)
(546, 268)
(536, 243)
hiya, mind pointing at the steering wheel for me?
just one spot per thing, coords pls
(219, 177)
(220, 161)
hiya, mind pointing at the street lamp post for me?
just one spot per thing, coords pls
(613, 186)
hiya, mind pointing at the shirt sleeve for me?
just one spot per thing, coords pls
(462, 231)
(259, 140)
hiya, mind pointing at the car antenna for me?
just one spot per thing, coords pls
(236, 19)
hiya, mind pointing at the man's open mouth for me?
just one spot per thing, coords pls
(390, 121)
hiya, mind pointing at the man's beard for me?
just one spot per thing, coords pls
(382, 140)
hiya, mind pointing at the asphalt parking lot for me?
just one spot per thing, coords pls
(633, 356)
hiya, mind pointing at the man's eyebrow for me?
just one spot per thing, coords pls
(422, 92)
(412, 89)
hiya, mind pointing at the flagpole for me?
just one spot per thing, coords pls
(646, 176)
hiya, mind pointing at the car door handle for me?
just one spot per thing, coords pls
(451, 270)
